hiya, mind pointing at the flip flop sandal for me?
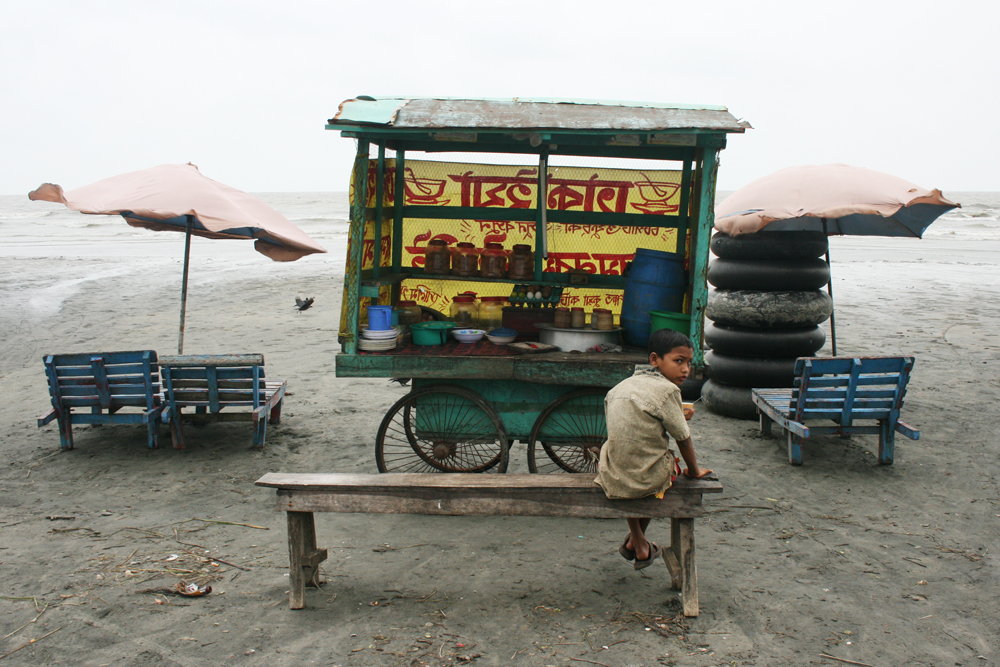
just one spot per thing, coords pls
(627, 554)
(654, 553)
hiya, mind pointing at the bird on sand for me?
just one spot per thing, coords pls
(304, 304)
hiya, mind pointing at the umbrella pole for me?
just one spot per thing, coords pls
(829, 289)
(184, 282)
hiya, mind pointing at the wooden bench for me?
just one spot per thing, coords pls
(211, 383)
(103, 383)
(842, 389)
(457, 494)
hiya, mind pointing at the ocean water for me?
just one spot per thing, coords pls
(96, 247)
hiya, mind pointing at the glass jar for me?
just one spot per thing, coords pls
(437, 257)
(577, 318)
(602, 319)
(465, 261)
(521, 265)
(561, 319)
(464, 311)
(493, 261)
(407, 314)
(491, 312)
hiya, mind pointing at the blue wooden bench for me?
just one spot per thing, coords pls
(842, 389)
(103, 383)
(217, 386)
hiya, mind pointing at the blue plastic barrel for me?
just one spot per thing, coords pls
(656, 281)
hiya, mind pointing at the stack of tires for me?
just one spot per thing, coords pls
(764, 312)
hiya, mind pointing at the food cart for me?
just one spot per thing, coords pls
(582, 226)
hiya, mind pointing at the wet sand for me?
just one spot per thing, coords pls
(878, 565)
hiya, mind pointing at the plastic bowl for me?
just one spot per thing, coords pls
(431, 333)
(501, 336)
(661, 319)
(468, 335)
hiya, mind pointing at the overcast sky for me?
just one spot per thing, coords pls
(243, 88)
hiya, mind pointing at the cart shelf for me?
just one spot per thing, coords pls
(368, 279)
(561, 368)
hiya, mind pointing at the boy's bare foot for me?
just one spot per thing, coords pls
(652, 553)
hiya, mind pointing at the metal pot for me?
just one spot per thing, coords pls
(575, 339)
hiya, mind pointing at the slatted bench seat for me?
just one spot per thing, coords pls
(103, 383)
(457, 494)
(842, 389)
(212, 383)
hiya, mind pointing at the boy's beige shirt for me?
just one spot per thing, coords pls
(636, 460)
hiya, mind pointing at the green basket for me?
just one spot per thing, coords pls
(661, 319)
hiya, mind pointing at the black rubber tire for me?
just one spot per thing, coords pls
(750, 371)
(765, 275)
(728, 401)
(744, 342)
(691, 389)
(768, 310)
(770, 245)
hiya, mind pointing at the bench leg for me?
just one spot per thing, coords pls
(886, 443)
(275, 417)
(303, 557)
(65, 422)
(176, 430)
(259, 430)
(154, 432)
(794, 449)
(765, 424)
(672, 556)
(689, 574)
(680, 562)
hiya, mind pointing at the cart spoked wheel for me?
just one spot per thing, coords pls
(569, 433)
(441, 428)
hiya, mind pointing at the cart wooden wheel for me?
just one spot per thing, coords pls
(569, 433)
(442, 428)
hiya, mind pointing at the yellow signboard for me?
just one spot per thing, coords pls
(594, 249)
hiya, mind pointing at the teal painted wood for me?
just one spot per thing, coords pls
(566, 146)
(554, 279)
(217, 360)
(224, 391)
(379, 195)
(683, 218)
(579, 370)
(541, 214)
(841, 389)
(699, 252)
(398, 199)
(352, 276)
(518, 402)
(103, 383)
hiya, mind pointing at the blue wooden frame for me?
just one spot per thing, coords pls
(104, 382)
(211, 383)
(841, 389)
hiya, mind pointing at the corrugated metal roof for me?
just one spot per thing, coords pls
(523, 114)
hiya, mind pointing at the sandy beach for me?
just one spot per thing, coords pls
(893, 565)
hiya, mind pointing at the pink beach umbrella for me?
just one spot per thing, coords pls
(177, 197)
(836, 199)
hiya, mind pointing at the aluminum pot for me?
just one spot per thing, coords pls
(576, 339)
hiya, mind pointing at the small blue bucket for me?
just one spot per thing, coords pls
(379, 318)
